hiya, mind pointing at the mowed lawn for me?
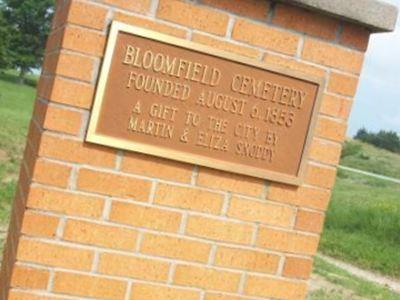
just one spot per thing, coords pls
(16, 102)
(363, 223)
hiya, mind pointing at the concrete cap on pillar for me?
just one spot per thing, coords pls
(376, 15)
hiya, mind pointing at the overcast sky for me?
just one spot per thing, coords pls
(377, 103)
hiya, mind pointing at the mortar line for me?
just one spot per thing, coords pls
(242, 283)
(154, 7)
(107, 208)
(96, 261)
(211, 257)
(61, 228)
(171, 273)
(128, 290)
(50, 283)
(139, 241)
(118, 160)
(195, 175)
(281, 265)
(152, 193)
(229, 27)
(226, 204)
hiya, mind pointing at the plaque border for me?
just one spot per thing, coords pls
(187, 157)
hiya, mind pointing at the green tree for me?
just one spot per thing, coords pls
(29, 23)
(4, 42)
(388, 140)
(362, 134)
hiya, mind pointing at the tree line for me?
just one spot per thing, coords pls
(388, 140)
(24, 27)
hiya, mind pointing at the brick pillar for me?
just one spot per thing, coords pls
(91, 221)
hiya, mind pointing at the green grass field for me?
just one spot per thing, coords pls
(368, 158)
(363, 221)
(16, 103)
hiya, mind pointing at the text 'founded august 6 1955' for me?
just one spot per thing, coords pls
(179, 100)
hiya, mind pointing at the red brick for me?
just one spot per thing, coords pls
(287, 241)
(65, 203)
(75, 66)
(173, 247)
(257, 9)
(275, 288)
(83, 40)
(133, 267)
(137, 5)
(306, 196)
(221, 230)
(193, 16)
(62, 120)
(150, 24)
(210, 296)
(331, 129)
(34, 137)
(145, 216)
(37, 224)
(206, 278)
(60, 15)
(320, 176)
(89, 286)
(75, 151)
(113, 184)
(27, 277)
(230, 182)
(156, 167)
(45, 84)
(152, 292)
(325, 152)
(256, 261)
(306, 21)
(18, 295)
(342, 84)
(296, 267)
(332, 56)
(189, 198)
(310, 221)
(355, 36)
(71, 92)
(54, 40)
(266, 37)
(224, 45)
(54, 255)
(336, 106)
(87, 15)
(295, 65)
(100, 235)
(55, 174)
(266, 213)
(50, 63)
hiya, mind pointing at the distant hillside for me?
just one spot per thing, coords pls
(362, 222)
(369, 158)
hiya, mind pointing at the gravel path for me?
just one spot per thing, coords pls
(391, 283)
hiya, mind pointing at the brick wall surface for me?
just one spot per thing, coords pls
(96, 222)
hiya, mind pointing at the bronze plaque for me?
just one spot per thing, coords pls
(180, 100)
